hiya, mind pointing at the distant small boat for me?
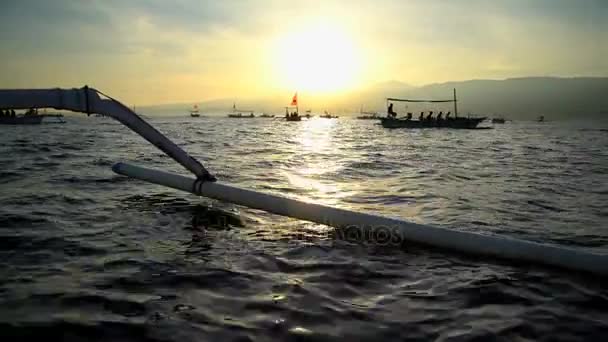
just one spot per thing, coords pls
(326, 115)
(541, 118)
(294, 116)
(364, 115)
(264, 115)
(238, 113)
(498, 120)
(31, 117)
(194, 112)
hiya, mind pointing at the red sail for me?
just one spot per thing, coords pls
(294, 100)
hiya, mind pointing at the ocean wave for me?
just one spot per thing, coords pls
(89, 255)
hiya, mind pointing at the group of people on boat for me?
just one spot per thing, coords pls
(8, 113)
(429, 117)
(292, 115)
(11, 113)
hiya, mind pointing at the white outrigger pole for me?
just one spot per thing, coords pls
(88, 100)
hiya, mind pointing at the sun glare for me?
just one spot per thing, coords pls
(320, 58)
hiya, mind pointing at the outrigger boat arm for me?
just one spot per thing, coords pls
(90, 101)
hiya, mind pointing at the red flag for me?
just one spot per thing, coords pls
(294, 100)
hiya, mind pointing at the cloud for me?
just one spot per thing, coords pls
(223, 46)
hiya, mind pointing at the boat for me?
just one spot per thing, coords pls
(347, 222)
(456, 122)
(194, 113)
(391, 120)
(238, 113)
(541, 118)
(498, 120)
(364, 115)
(294, 116)
(30, 117)
(264, 115)
(326, 115)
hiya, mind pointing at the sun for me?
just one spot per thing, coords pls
(319, 58)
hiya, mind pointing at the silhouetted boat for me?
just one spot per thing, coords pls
(264, 115)
(364, 115)
(326, 115)
(194, 112)
(31, 117)
(391, 120)
(238, 113)
(541, 118)
(457, 122)
(498, 120)
(293, 116)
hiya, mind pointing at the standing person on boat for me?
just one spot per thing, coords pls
(430, 116)
(421, 117)
(391, 112)
(12, 113)
(2, 112)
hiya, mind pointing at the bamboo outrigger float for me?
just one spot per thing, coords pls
(90, 101)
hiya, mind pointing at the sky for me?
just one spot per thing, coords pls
(147, 52)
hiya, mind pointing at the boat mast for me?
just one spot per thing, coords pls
(455, 106)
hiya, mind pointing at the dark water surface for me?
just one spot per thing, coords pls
(89, 255)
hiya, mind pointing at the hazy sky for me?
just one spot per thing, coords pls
(157, 51)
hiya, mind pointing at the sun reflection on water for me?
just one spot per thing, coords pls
(318, 157)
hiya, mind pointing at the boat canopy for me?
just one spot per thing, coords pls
(453, 100)
(408, 100)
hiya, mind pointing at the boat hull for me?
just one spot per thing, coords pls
(236, 116)
(21, 120)
(293, 118)
(458, 123)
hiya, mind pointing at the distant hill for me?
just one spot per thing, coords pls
(525, 98)
(515, 98)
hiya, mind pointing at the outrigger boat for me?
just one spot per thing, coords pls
(391, 120)
(293, 116)
(31, 117)
(238, 113)
(367, 115)
(90, 101)
(326, 115)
